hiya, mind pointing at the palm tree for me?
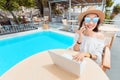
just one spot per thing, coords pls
(116, 10)
(109, 4)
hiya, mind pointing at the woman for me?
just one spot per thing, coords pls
(89, 41)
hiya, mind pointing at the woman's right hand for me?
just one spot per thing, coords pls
(80, 32)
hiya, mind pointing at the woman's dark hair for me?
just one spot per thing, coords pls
(95, 29)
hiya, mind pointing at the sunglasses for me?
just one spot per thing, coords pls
(94, 20)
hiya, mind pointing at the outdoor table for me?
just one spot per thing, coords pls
(41, 67)
(108, 28)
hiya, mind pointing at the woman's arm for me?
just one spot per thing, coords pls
(76, 47)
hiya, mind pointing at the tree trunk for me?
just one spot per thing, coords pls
(31, 18)
(16, 20)
(40, 6)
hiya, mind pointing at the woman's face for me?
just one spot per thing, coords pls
(90, 21)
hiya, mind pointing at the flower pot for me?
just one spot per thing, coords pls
(45, 26)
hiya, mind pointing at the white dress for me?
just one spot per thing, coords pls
(91, 45)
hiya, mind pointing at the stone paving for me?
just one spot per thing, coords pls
(114, 72)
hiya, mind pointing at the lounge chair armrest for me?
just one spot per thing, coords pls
(106, 63)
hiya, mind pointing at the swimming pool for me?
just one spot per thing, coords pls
(13, 50)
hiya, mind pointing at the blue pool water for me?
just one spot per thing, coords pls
(14, 50)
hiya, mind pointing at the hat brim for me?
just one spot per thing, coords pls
(98, 12)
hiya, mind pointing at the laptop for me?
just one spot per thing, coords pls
(66, 62)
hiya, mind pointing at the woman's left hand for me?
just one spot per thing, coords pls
(79, 56)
